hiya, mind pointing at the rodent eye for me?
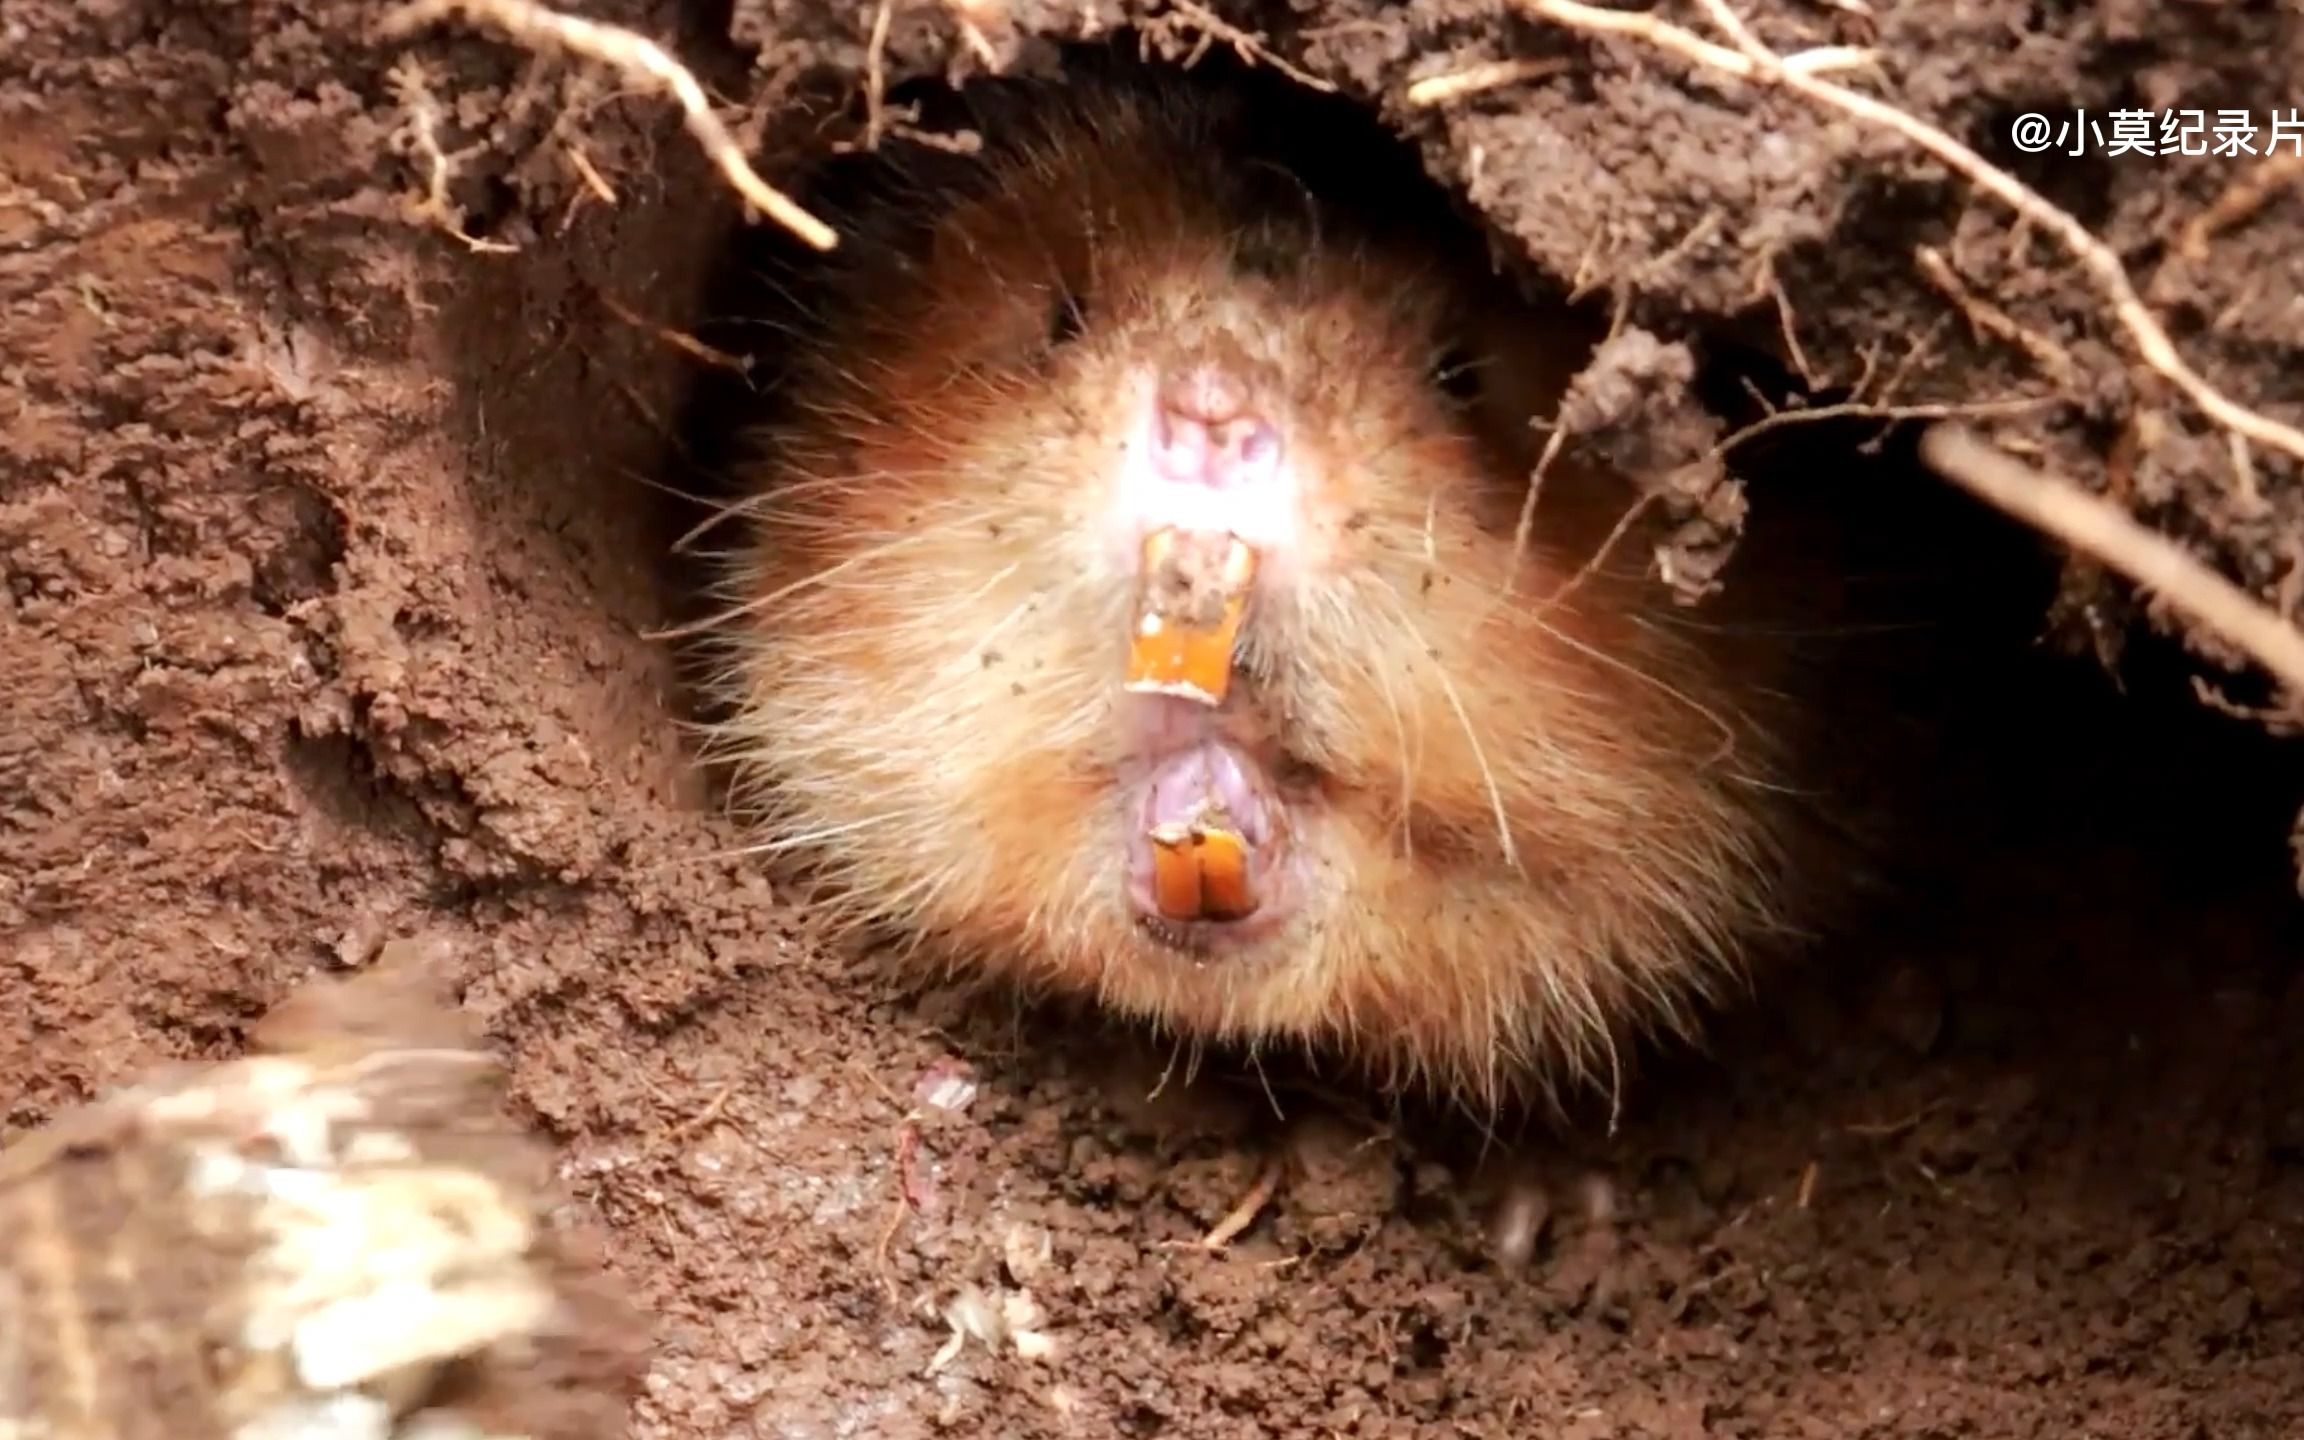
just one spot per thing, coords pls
(1457, 373)
(1066, 318)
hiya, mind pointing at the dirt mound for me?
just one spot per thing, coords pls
(339, 372)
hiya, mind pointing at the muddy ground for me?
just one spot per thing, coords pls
(331, 570)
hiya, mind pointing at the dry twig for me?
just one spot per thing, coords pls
(2101, 529)
(639, 60)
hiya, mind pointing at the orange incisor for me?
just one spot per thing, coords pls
(1195, 591)
(1200, 872)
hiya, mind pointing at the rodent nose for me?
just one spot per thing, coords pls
(1205, 433)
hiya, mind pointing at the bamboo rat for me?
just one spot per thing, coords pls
(1132, 604)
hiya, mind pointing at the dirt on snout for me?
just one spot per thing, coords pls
(339, 378)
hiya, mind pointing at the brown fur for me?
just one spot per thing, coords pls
(1543, 813)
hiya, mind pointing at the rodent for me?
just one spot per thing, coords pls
(1501, 809)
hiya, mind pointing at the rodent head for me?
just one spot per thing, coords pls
(1491, 817)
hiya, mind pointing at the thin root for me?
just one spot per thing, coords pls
(1250, 48)
(1789, 322)
(1440, 89)
(710, 1112)
(641, 61)
(422, 108)
(2245, 197)
(1989, 319)
(883, 1265)
(1804, 74)
(1892, 414)
(1524, 528)
(1643, 26)
(2099, 528)
(972, 18)
(678, 339)
(876, 75)
(590, 174)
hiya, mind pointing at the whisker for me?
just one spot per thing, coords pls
(1711, 717)
(1408, 761)
(971, 657)
(1463, 719)
(807, 839)
(1591, 566)
(642, 477)
(758, 603)
(767, 499)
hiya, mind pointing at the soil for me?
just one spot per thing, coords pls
(335, 558)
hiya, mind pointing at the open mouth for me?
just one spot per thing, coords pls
(1207, 839)
(1207, 831)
